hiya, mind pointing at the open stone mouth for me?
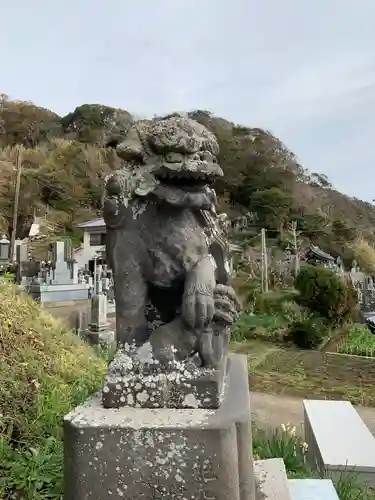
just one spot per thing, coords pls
(188, 181)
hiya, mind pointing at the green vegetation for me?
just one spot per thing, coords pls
(309, 332)
(286, 370)
(325, 293)
(286, 444)
(364, 253)
(358, 341)
(280, 316)
(282, 443)
(45, 370)
(258, 326)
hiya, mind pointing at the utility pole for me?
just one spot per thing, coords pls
(16, 202)
(264, 262)
(295, 244)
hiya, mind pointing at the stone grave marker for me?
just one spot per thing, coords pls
(100, 331)
(61, 274)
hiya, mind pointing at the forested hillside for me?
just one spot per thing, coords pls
(66, 158)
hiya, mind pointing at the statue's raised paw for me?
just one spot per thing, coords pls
(198, 305)
(227, 304)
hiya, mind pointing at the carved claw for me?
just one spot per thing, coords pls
(227, 305)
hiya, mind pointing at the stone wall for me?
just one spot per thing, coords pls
(348, 367)
(327, 366)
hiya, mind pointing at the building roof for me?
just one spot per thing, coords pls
(92, 223)
(317, 252)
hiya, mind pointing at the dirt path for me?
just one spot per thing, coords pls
(270, 411)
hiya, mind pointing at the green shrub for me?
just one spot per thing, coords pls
(308, 333)
(274, 301)
(326, 293)
(250, 326)
(292, 311)
(45, 370)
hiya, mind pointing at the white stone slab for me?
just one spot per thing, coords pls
(312, 489)
(339, 438)
(271, 480)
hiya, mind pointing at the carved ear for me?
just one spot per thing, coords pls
(131, 148)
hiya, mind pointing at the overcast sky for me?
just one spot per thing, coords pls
(303, 69)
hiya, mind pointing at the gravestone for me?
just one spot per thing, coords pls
(55, 286)
(173, 420)
(26, 269)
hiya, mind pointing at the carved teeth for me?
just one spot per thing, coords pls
(166, 173)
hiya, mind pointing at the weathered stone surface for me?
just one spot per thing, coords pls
(271, 480)
(136, 379)
(169, 454)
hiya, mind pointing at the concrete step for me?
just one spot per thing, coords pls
(312, 489)
(271, 480)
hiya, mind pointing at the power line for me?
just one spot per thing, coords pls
(307, 230)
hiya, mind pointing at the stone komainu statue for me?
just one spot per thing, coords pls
(165, 243)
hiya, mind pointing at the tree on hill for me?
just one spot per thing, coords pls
(65, 176)
(27, 124)
(96, 124)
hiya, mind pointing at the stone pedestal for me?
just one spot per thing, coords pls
(169, 454)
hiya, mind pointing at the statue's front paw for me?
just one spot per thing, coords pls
(198, 307)
(227, 305)
(110, 207)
